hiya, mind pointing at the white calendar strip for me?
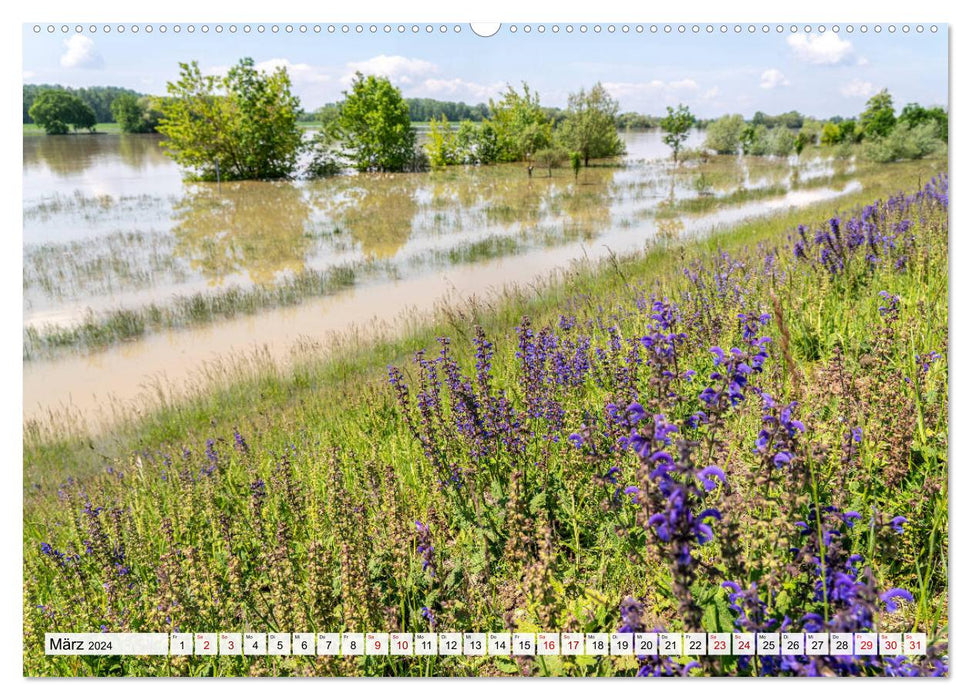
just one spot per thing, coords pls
(486, 644)
(107, 644)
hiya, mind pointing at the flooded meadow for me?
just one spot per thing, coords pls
(132, 276)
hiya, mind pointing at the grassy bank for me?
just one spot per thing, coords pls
(99, 128)
(743, 432)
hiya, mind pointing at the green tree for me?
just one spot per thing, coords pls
(904, 143)
(850, 131)
(754, 140)
(476, 143)
(913, 115)
(550, 158)
(810, 130)
(442, 145)
(781, 141)
(56, 110)
(136, 115)
(878, 118)
(98, 98)
(939, 115)
(126, 113)
(676, 127)
(375, 127)
(521, 125)
(831, 134)
(790, 120)
(325, 156)
(590, 126)
(724, 135)
(802, 140)
(239, 127)
(575, 162)
(327, 115)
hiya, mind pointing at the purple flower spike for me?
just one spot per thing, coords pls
(660, 525)
(891, 597)
(706, 475)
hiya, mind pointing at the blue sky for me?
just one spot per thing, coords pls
(821, 74)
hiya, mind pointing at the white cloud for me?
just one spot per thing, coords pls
(298, 72)
(858, 88)
(81, 53)
(772, 78)
(399, 69)
(458, 89)
(653, 88)
(652, 96)
(28, 74)
(686, 84)
(821, 49)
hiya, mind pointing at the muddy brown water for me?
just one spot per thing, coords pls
(109, 223)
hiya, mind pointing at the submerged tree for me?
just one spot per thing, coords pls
(57, 110)
(442, 145)
(374, 126)
(136, 115)
(590, 127)
(676, 126)
(476, 143)
(239, 127)
(550, 158)
(521, 126)
(724, 135)
(575, 162)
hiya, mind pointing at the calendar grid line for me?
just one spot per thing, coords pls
(400, 644)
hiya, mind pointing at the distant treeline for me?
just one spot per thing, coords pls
(420, 109)
(99, 99)
(423, 109)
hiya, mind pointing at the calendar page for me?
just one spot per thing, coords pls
(515, 349)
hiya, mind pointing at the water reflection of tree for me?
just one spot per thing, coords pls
(500, 196)
(139, 151)
(62, 155)
(587, 201)
(375, 209)
(255, 227)
(73, 154)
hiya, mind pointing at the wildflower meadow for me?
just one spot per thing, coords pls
(755, 440)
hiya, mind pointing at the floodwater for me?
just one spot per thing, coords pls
(109, 224)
